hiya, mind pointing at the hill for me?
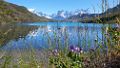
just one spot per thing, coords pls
(13, 13)
(109, 16)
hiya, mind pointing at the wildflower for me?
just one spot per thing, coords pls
(75, 49)
(55, 52)
(72, 48)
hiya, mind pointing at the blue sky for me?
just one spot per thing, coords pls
(52, 6)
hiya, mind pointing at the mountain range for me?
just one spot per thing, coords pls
(61, 14)
(109, 16)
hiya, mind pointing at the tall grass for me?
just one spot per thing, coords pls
(102, 57)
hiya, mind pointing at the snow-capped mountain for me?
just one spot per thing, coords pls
(40, 13)
(61, 14)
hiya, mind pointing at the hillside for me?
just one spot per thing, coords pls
(107, 17)
(80, 17)
(110, 16)
(13, 13)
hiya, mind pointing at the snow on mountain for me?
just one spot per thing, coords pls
(61, 14)
(39, 13)
(31, 10)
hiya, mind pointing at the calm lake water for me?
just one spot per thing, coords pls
(54, 34)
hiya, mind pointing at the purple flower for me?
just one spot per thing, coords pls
(55, 52)
(75, 49)
(71, 48)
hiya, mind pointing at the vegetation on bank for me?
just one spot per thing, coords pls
(106, 55)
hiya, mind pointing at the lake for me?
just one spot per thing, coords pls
(42, 35)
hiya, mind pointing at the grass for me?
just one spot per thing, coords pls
(66, 57)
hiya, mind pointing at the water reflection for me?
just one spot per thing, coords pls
(54, 34)
(13, 32)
